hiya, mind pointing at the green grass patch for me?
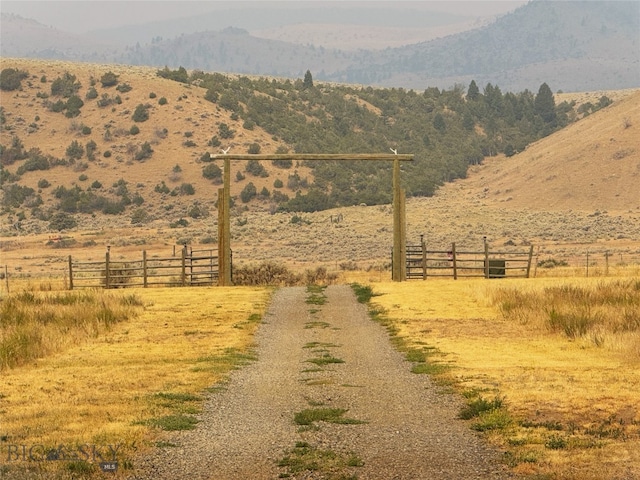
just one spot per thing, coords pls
(316, 300)
(174, 422)
(316, 289)
(177, 397)
(317, 324)
(363, 293)
(556, 442)
(498, 419)
(229, 359)
(312, 370)
(325, 359)
(316, 295)
(329, 464)
(183, 403)
(320, 345)
(478, 406)
(328, 415)
(430, 368)
(217, 388)
(415, 355)
(318, 381)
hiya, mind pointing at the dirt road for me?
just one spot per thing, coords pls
(320, 355)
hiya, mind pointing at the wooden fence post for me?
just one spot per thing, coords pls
(529, 262)
(70, 274)
(486, 259)
(454, 260)
(211, 265)
(587, 263)
(183, 277)
(107, 273)
(6, 277)
(144, 268)
(606, 263)
(423, 245)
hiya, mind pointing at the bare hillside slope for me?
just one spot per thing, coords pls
(591, 165)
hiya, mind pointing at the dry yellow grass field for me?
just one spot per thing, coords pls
(106, 390)
(572, 392)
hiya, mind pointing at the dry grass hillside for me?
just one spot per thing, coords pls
(186, 118)
(593, 164)
(572, 192)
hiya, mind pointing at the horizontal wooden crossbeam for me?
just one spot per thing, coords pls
(319, 156)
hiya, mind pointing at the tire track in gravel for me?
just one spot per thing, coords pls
(411, 431)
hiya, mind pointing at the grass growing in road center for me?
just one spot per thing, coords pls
(325, 359)
(316, 295)
(328, 415)
(307, 458)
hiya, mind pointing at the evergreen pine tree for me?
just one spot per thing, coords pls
(308, 80)
(545, 105)
(473, 92)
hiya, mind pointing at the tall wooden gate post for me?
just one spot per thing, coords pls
(227, 223)
(399, 273)
(221, 265)
(224, 227)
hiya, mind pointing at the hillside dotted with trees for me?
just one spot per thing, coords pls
(446, 130)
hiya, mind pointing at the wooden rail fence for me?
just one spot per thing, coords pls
(190, 268)
(423, 263)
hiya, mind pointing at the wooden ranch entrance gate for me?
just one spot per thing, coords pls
(190, 268)
(399, 273)
(423, 263)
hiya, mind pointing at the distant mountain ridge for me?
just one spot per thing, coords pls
(541, 35)
(572, 46)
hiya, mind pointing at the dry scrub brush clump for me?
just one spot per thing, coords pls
(606, 314)
(272, 274)
(36, 324)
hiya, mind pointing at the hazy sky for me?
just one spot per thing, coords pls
(80, 16)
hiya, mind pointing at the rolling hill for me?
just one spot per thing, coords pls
(592, 165)
(575, 187)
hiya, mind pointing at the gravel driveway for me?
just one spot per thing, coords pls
(318, 357)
